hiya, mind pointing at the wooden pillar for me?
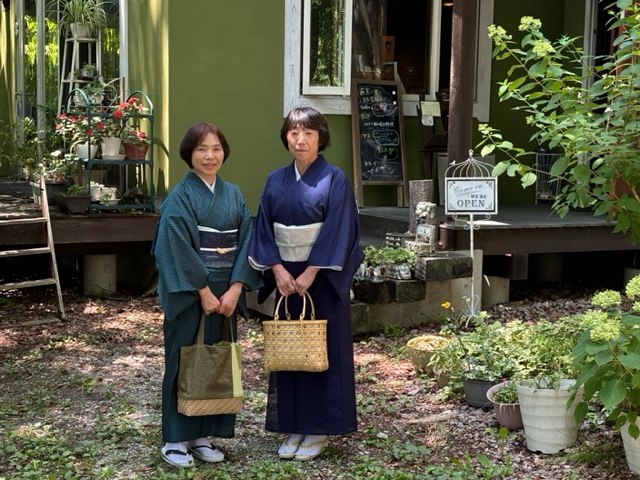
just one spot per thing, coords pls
(419, 191)
(462, 83)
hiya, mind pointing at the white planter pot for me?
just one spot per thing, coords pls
(80, 30)
(631, 448)
(111, 146)
(82, 150)
(110, 194)
(548, 426)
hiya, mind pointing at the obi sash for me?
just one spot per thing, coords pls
(218, 249)
(295, 242)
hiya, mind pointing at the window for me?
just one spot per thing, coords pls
(409, 39)
(326, 47)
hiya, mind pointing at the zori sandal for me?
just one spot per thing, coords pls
(290, 446)
(311, 447)
(177, 458)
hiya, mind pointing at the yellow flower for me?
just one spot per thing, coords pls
(446, 304)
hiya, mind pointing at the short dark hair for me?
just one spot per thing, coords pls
(194, 137)
(310, 118)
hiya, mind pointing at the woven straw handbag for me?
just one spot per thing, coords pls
(209, 376)
(295, 345)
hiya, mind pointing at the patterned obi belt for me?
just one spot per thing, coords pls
(218, 249)
(295, 242)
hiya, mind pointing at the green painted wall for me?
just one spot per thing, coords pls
(7, 81)
(214, 62)
(223, 63)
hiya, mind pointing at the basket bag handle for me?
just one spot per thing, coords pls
(302, 313)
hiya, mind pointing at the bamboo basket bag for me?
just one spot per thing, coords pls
(295, 345)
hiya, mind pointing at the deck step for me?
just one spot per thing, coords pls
(25, 251)
(23, 221)
(29, 283)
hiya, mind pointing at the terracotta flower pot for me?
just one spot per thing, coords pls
(135, 151)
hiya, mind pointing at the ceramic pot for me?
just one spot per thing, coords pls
(83, 151)
(111, 146)
(420, 349)
(134, 151)
(508, 415)
(549, 426)
(631, 448)
(80, 30)
(475, 392)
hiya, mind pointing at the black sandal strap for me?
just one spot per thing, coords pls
(175, 452)
(202, 446)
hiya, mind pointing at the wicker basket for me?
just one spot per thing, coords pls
(215, 406)
(295, 345)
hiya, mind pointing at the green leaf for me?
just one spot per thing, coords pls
(582, 173)
(500, 168)
(559, 166)
(487, 150)
(612, 393)
(630, 360)
(528, 179)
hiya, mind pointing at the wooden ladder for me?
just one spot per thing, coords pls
(48, 250)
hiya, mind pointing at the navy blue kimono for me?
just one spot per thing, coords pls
(303, 402)
(182, 271)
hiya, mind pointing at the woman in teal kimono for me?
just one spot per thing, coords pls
(201, 255)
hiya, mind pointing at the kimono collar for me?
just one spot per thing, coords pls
(316, 165)
(211, 187)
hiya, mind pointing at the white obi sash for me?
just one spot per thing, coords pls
(295, 242)
(218, 248)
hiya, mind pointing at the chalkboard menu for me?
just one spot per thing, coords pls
(378, 133)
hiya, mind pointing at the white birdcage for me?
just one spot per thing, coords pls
(546, 187)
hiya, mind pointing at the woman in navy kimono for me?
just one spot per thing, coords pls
(306, 238)
(201, 255)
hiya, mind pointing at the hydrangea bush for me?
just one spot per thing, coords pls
(608, 357)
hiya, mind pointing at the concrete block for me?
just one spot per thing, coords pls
(461, 265)
(495, 290)
(99, 274)
(434, 268)
(373, 292)
(408, 290)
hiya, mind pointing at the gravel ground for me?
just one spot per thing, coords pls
(81, 399)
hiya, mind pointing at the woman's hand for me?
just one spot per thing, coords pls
(209, 301)
(284, 280)
(304, 281)
(229, 299)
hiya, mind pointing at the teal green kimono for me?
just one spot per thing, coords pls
(182, 271)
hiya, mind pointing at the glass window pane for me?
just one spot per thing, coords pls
(326, 49)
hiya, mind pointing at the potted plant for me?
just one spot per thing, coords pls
(607, 356)
(75, 199)
(80, 18)
(115, 123)
(504, 398)
(83, 133)
(544, 392)
(586, 109)
(135, 142)
(399, 262)
(88, 71)
(372, 267)
(420, 349)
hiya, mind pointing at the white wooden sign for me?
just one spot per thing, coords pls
(469, 195)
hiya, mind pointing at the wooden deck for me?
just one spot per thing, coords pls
(517, 233)
(517, 229)
(507, 240)
(95, 233)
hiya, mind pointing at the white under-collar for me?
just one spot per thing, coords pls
(297, 172)
(212, 186)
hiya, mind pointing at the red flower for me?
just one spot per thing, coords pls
(117, 114)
